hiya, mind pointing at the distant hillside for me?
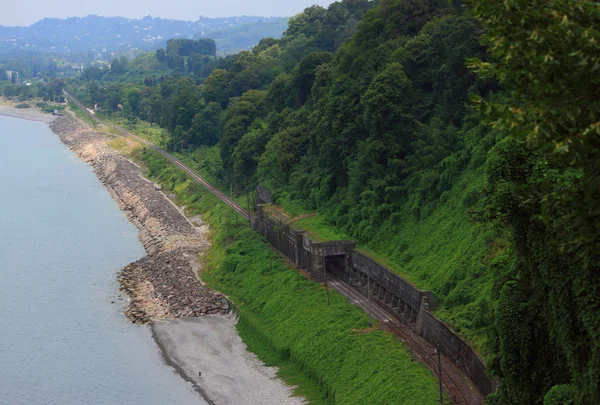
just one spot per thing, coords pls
(106, 35)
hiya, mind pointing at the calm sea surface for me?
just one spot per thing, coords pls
(62, 241)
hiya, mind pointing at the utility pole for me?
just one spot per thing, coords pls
(326, 278)
(249, 216)
(410, 345)
(369, 299)
(439, 356)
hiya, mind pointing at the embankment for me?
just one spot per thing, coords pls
(163, 284)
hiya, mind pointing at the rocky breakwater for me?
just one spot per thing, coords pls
(164, 284)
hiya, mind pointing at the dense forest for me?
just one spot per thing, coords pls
(457, 142)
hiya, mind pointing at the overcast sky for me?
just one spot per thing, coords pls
(26, 12)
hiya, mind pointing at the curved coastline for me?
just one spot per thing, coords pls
(29, 114)
(164, 288)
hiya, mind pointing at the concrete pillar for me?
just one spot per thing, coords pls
(318, 264)
(420, 321)
(298, 241)
(254, 222)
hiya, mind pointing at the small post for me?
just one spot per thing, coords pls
(439, 356)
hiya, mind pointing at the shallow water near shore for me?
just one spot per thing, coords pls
(62, 241)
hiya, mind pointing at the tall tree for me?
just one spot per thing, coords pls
(545, 188)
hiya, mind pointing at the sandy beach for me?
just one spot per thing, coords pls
(230, 374)
(30, 114)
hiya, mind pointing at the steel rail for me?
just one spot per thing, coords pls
(218, 193)
(456, 391)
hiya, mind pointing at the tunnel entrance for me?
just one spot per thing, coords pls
(335, 267)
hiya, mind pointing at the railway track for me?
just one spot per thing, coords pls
(218, 193)
(455, 383)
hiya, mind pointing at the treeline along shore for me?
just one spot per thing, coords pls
(163, 284)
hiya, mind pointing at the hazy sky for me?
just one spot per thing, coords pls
(26, 12)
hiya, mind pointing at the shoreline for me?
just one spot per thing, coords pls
(164, 286)
(29, 114)
(178, 369)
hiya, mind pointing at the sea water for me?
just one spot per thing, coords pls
(63, 336)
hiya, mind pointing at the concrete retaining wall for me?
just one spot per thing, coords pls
(389, 290)
(456, 349)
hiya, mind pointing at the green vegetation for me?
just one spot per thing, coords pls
(327, 350)
(49, 108)
(543, 190)
(458, 146)
(51, 91)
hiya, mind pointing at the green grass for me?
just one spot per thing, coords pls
(445, 251)
(82, 115)
(49, 107)
(319, 229)
(323, 349)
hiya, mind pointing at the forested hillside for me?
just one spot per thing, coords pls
(103, 36)
(459, 145)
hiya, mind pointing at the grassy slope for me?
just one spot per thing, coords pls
(443, 251)
(323, 349)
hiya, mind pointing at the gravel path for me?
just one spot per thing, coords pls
(230, 374)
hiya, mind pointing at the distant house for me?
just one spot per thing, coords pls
(10, 74)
